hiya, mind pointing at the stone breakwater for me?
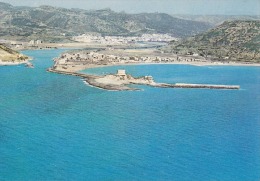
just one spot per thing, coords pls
(197, 86)
(117, 82)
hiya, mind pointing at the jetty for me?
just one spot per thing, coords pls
(197, 86)
(121, 80)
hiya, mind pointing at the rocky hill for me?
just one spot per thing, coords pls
(9, 55)
(51, 23)
(232, 40)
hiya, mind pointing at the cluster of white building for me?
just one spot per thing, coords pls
(156, 38)
(99, 58)
(35, 42)
(97, 38)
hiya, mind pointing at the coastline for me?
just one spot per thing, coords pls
(84, 59)
(136, 49)
(77, 68)
(118, 83)
(78, 45)
(62, 65)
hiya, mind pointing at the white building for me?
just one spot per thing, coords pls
(121, 73)
(39, 42)
(32, 42)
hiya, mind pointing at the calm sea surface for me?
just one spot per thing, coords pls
(54, 127)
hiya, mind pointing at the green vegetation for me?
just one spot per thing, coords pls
(231, 41)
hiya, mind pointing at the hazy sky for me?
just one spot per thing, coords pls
(228, 7)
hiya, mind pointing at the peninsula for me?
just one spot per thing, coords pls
(121, 81)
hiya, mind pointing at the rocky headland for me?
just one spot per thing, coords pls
(11, 57)
(237, 41)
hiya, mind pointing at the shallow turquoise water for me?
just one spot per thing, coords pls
(54, 127)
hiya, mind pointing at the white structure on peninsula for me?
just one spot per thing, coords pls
(121, 73)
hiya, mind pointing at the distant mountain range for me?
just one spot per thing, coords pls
(232, 40)
(56, 24)
(216, 20)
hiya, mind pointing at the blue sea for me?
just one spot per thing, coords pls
(55, 127)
